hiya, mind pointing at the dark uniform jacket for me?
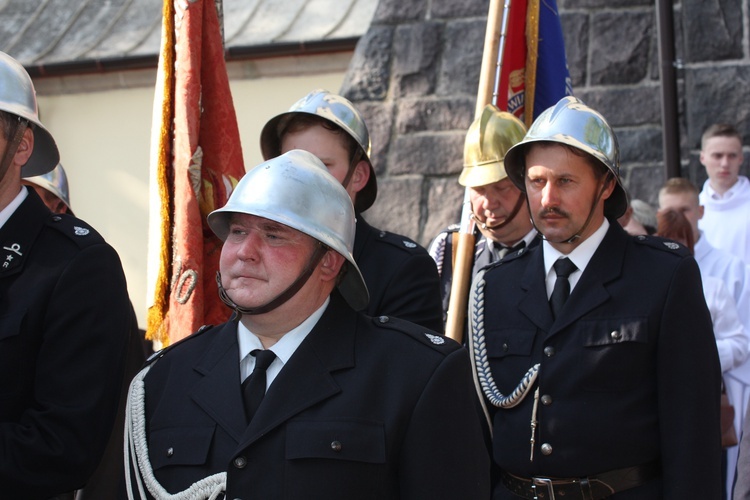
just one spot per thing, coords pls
(64, 322)
(629, 370)
(366, 408)
(400, 275)
(442, 250)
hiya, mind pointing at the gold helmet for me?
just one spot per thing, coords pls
(488, 139)
(573, 123)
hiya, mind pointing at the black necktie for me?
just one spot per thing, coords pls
(254, 386)
(563, 269)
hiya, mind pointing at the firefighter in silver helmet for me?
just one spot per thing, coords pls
(299, 395)
(498, 208)
(593, 347)
(65, 317)
(53, 189)
(401, 277)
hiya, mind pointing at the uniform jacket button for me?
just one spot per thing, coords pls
(546, 449)
(240, 462)
(616, 335)
(546, 400)
(170, 451)
(549, 351)
(336, 446)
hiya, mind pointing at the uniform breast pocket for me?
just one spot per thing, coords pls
(615, 353)
(334, 459)
(180, 446)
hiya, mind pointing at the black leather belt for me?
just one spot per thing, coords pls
(581, 488)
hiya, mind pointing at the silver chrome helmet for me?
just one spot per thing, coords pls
(295, 189)
(488, 139)
(337, 110)
(18, 97)
(572, 122)
(56, 182)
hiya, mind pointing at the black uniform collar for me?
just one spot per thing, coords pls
(19, 232)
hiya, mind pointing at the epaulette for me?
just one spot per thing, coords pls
(425, 336)
(161, 352)
(74, 228)
(398, 241)
(663, 244)
(518, 254)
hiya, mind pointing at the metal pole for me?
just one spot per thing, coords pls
(667, 74)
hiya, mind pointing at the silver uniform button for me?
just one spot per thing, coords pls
(546, 400)
(336, 446)
(240, 462)
(549, 351)
(546, 449)
(383, 319)
(170, 452)
(616, 335)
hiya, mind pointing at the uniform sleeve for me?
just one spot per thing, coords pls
(731, 338)
(689, 389)
(444, 452)
(55, 445)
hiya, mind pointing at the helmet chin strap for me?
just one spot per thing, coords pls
(577, 234)
(352, 167)
(287, 294)
(508, 219)
(12, 146)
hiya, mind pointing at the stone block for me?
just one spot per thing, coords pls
(369, 70)
(456, 9)
(575, 28)
(463, 44)
(378, 117)
(434, 114)
(715, 28)
(640, 144)
(644, 183)
(625, 106)
(597, 4)
(620, 44)
(396, 11)
(416, 48)
(398, 206)
(427, 153)
(717, 94)
(444, 200)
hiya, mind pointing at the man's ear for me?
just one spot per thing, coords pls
(330, 265)
(25, 147)
(360, 176)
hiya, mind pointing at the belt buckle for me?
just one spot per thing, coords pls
(546, 483)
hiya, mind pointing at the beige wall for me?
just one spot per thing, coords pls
(104, 137)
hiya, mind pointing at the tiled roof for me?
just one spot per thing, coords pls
(68, 36)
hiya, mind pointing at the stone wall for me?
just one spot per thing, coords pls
(415, 75)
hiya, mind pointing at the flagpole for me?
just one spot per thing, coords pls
(489, 78)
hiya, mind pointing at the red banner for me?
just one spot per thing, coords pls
(534, 73)
(196, 162)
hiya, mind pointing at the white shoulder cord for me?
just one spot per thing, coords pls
(481, 366)
(478, 350)
(136, 454)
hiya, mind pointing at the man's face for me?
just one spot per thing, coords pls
(492, 204)
(687, 204)
(561, 188)
(55, 204)
(261, 258)
(330, 148)
(722, 157)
